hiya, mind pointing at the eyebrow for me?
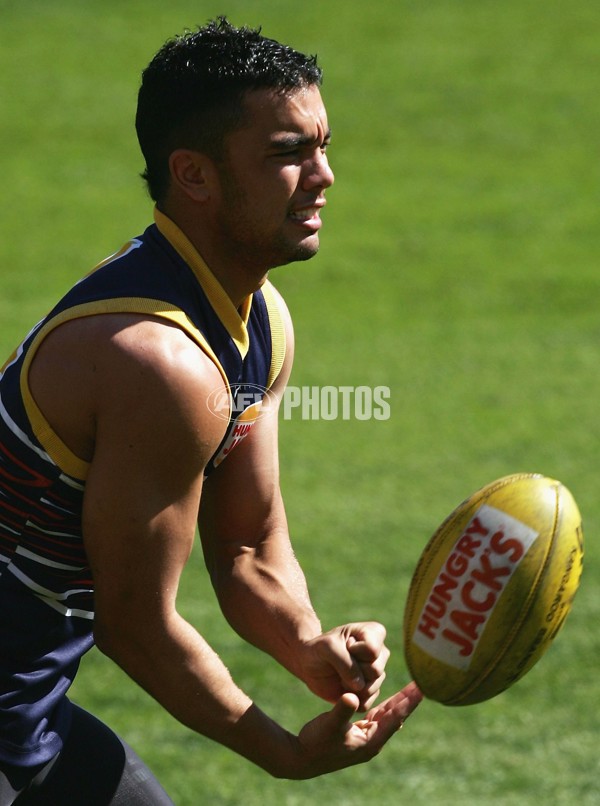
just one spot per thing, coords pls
(291, 140)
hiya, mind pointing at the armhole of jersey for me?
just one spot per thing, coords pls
(56, 449)
(278, 343)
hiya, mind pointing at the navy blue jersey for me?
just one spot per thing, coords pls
(46, 588)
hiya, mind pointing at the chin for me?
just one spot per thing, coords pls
(299, 256)
(295, 252)
(306, 249)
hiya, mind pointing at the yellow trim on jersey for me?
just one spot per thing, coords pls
(278, 343)
(234, 321)
(60, 454)
(134, 243)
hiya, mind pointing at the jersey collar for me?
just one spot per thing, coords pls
(235, 321)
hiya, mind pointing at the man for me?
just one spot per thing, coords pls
(112, 442)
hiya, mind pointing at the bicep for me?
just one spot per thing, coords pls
(241, 503)
(243, 496)
(144, 484)
(242, 506)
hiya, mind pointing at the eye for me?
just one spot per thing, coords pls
(289, 156)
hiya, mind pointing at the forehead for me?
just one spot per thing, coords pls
(268, 113)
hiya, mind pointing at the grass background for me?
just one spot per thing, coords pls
(459, 267)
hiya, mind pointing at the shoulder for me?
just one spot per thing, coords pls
(136, 344)
(117, 372)
(154, 363)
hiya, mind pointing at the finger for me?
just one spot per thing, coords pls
(372, 687)
(366, 641)
(336, 654)
(369, 696)
(383, 722)
(412, 695)
(398, 707)
(372, 659)
(373, 669)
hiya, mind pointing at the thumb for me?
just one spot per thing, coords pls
(342, 712)
(329, 727)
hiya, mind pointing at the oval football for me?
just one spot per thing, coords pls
(492, 588)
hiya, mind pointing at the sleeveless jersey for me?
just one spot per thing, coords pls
(46, 588)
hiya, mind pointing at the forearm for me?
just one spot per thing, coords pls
(174, 664)
(263, 594)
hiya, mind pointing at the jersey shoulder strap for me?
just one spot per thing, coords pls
(278, 343)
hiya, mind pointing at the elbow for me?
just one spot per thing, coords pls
(114, 637)
(105, 639)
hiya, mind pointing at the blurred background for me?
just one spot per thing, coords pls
(458, 268)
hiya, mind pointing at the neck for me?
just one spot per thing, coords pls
(238, 280)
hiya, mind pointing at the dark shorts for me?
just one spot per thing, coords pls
(94, 768)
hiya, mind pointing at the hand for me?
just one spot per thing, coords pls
(331, 742)
(350, 658)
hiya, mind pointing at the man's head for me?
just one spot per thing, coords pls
(192, 93)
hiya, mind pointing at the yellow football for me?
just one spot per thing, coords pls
(492, 588)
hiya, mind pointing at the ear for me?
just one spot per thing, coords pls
(193, 173)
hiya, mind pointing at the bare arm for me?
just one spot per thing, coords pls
(138, 386)
(243, 527)
(142, 494)
(258, 581)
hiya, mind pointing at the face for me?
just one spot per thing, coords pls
(273, 181)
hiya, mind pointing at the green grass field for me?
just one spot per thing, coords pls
(459, 267)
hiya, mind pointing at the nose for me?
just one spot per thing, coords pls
(318, 173)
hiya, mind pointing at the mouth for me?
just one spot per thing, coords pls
(308, 216)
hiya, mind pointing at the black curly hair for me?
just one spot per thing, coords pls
(192, 91)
